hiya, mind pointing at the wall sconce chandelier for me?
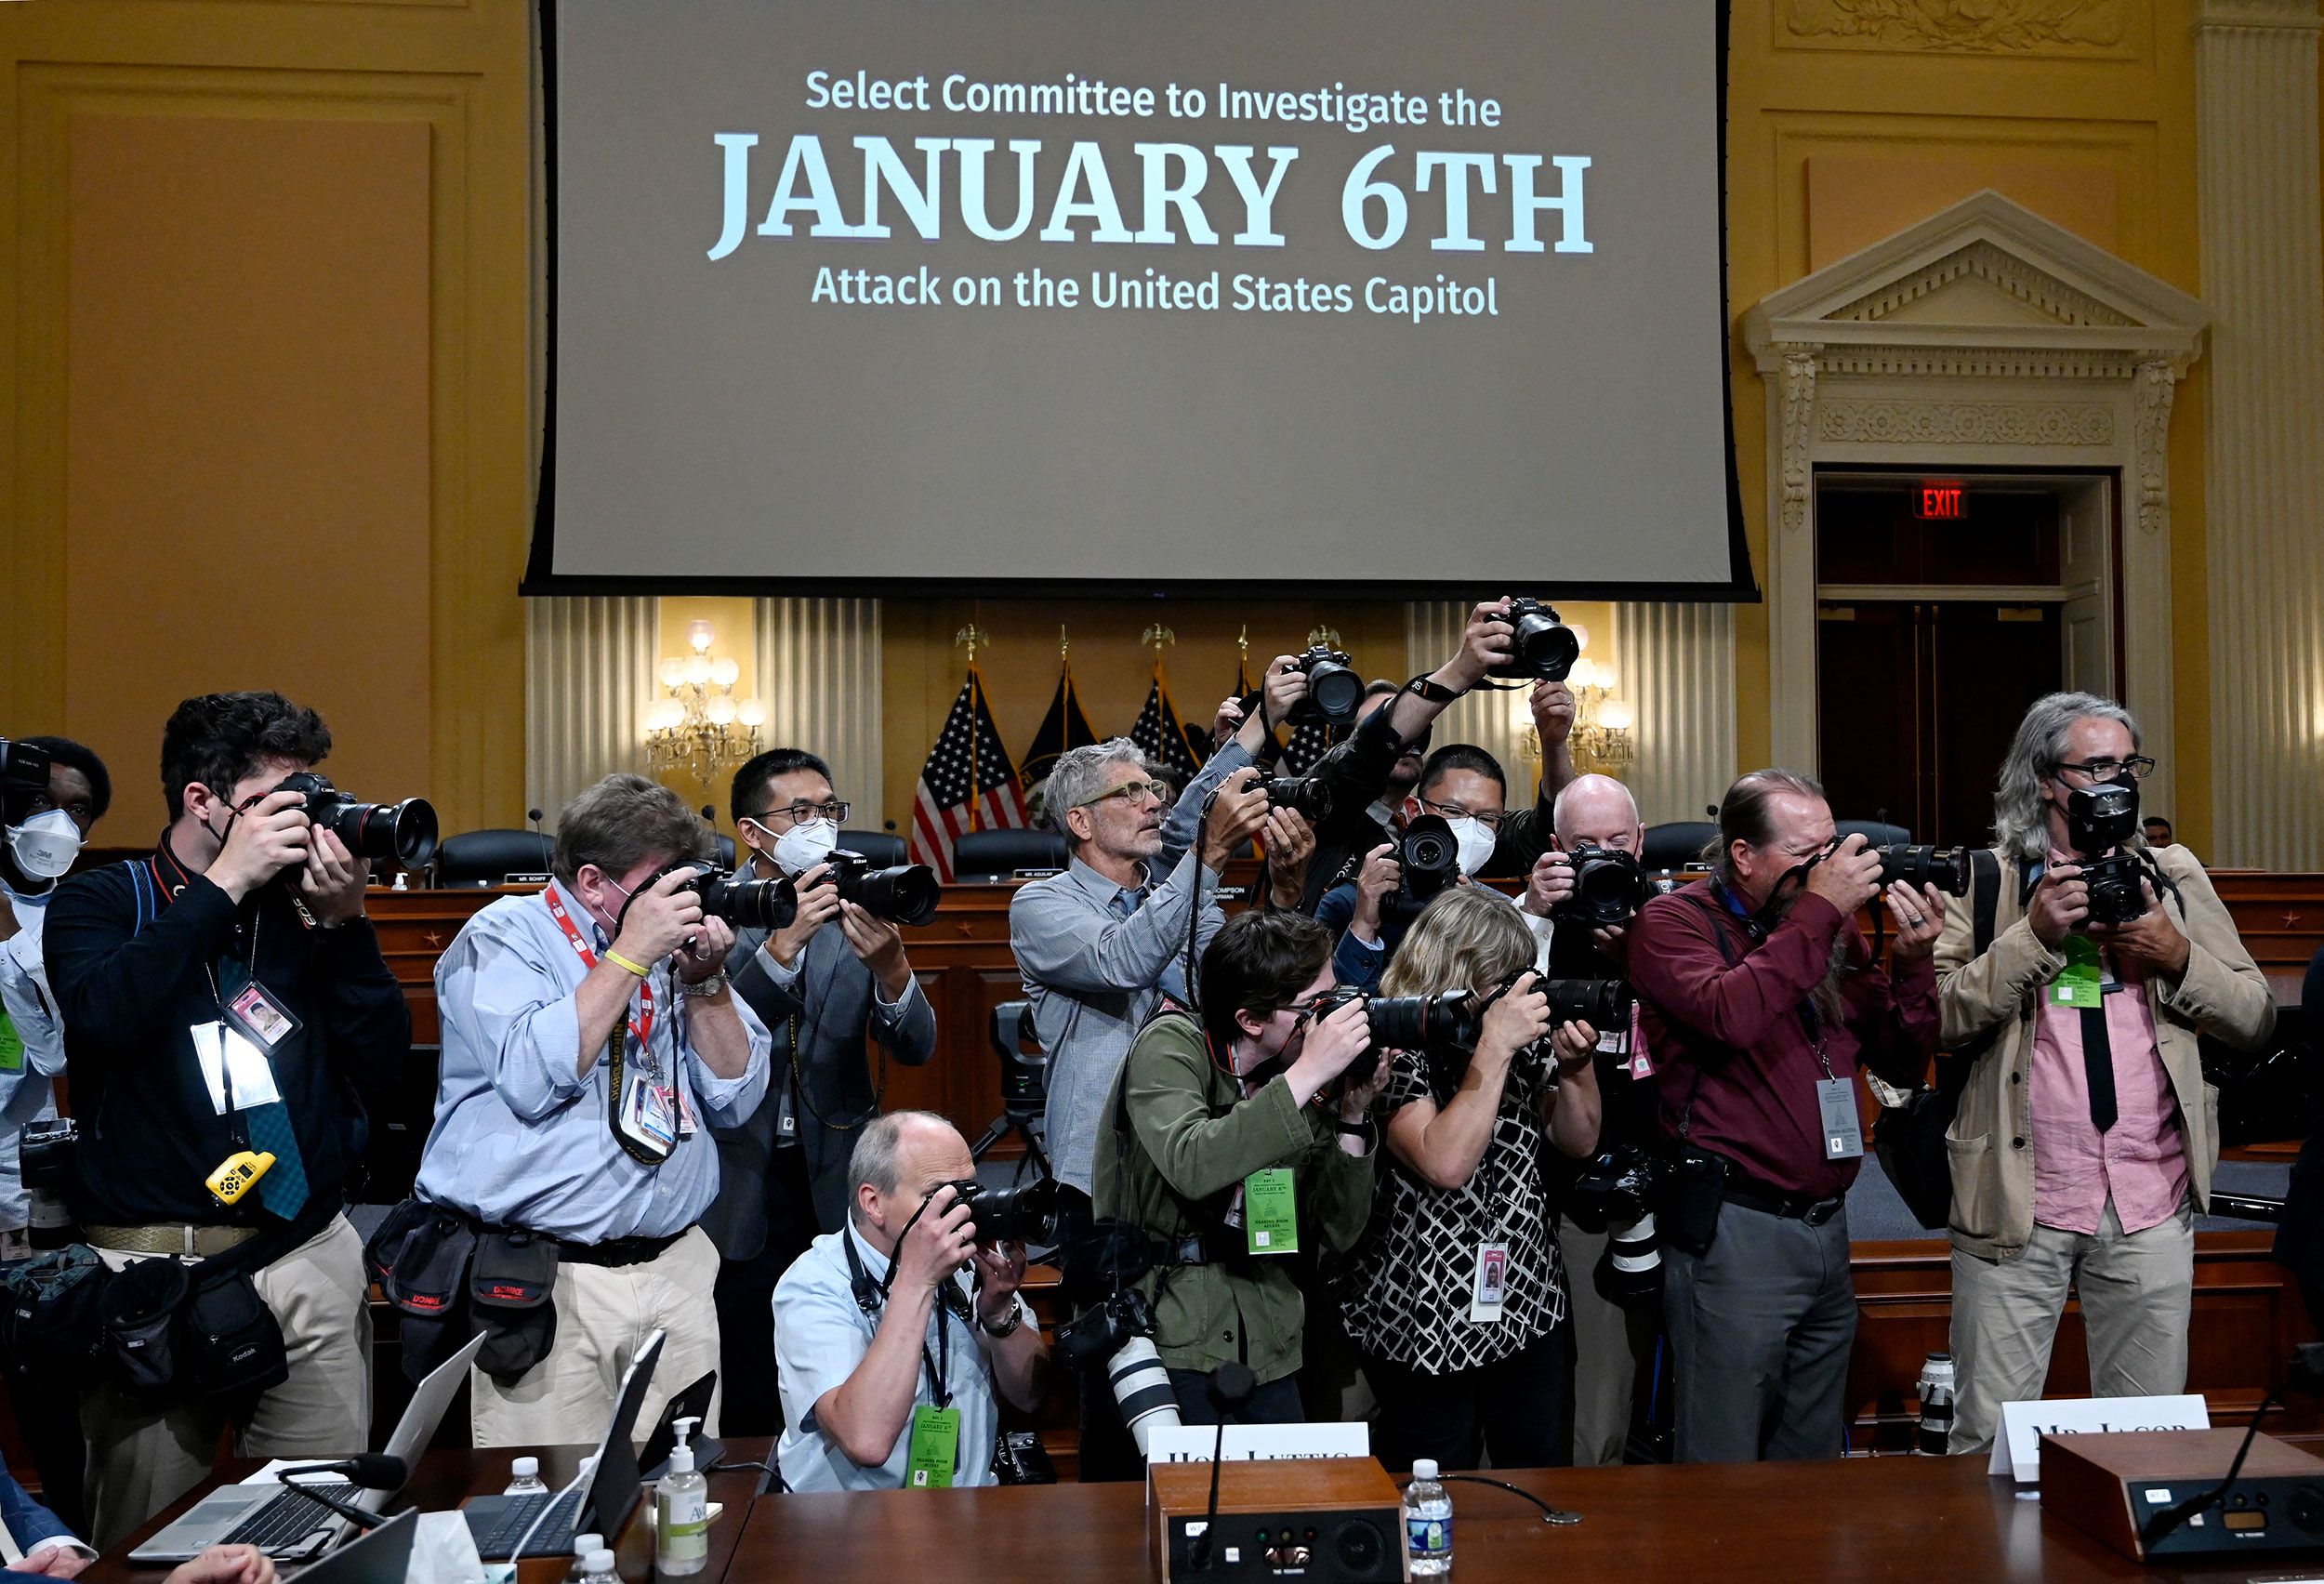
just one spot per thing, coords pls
(700, 725)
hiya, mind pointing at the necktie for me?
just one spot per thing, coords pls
(283, 1188)
(2098, 1065)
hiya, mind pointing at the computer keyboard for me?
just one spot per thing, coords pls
(508, 1525)
(289, 1516)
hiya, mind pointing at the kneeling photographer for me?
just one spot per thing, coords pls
(1236, 1138)
(828, 986)
(2085, 1138)
(226, 1012)
(892, 1359)
(590, 1043)
(1456, 1296)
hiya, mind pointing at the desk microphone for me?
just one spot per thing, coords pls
(535, 816)
(1230, 1389)
(368, 1470)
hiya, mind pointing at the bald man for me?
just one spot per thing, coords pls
(1611, 1341)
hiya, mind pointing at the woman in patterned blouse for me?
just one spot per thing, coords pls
(1455, 1297)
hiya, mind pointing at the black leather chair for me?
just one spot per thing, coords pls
(486, 857)
(1676, 844)
(997, 854)
(884, 850)
(1875, 833)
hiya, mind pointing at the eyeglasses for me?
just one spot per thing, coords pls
(1129, 792)
(835, 810)
(1455, 811)
(2139, 765)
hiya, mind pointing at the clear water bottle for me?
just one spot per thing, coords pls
(598, 1569)
(1936, 1404)
(525, 1478)
(583, 1546)
(1428, 1521)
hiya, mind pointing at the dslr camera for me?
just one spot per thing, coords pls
(1307, 795)
(1445, 1027)
(1616, 1193)
(1543, 648)
(1334, 691)
(1430, 861)
(1609, 887)
(1117, 1337)
(907, 893)
(1944, 868)
(23, 776)
(45, 1151)
(403, 833)
(1023, 1213)
(734, 896)
(2098, 821)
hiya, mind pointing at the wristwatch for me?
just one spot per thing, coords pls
(709, 986)
(1007, 1327)
(1355, 1129)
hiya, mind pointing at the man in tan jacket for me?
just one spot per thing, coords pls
(2085, 1137)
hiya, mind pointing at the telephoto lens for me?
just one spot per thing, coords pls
(1945, 869)
(905, 894)
(1334, 692)
(1429, 859)
(1141, 1390)
(1609, 888)
(1305, 794)
(402, 833)
(1023, 1213)
(1630, 1271)
(1600, 1003)
(1440, 1025)
(744, 901)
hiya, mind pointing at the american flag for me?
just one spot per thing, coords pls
(968, 784)
(1158, 735)
(1307, 745)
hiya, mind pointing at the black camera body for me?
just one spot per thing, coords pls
(1094, 1337)
(1306, 796)
(1616, 1185)
(1024, 1213)
(23, 776)
(1945, 869)
(1609, 887)
(2099, 819)
(402, 833)
(1334, 691)
(907, 894)
(1429, 859)
(1544, 648)
(735, 895)
(46, 1149)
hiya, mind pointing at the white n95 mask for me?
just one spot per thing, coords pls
(45, 846)
(1477, 843)
(802, 847)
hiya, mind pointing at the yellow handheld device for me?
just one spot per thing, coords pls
(237, 1172)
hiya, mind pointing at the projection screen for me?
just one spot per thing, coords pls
(1026, 295)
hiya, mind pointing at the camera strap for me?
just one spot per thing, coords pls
(872, 1295)
(640, 1025)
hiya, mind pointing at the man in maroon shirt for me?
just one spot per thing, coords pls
(1759, 999)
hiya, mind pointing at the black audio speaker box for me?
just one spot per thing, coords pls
(2112, 1486)
(1317, 1520)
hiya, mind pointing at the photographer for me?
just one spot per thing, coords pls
(1466, 788)
(590, 1042)
(1760, 998)
(1234, 1142)
(1456, 1295)
(2084, 1141)
(826, 985)
(46, 822)
(227, 994)
(892, 1359)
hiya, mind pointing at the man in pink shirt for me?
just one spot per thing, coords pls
(2085, 1137)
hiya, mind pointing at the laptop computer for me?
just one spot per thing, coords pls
(599, 1505)
(381, 1557)
(277, 1519)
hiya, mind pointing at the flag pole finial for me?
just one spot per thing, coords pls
(972, 636)
(1328, 637)
(1158, 634)
(1063, 642)
(1242, 641)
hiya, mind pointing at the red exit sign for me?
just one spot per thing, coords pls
(1939, 502)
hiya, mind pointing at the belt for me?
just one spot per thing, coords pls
(620, 1251)
(1774, 1202)
(170, 1237)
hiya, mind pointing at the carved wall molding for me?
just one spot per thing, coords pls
(2158, 382)
(1983, 261)
(1981, 362)
(1933, 422)
(1798, 407)
(1949, 27)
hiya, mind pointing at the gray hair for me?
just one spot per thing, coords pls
(877, 1159)
(1587, 784)
(1079, 775)
(2021, 825)
(622, 821)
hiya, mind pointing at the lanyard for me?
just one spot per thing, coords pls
(871, 1296)
(643, 1026)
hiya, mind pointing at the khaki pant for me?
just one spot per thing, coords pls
(142, 1457)
(1611, 1341)
(603, 1312)
(2137, 1292)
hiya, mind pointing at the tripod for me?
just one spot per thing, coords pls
(1018, 1121)
(1023, 1085)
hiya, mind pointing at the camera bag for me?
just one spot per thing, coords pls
(49, 1324)
(138, 1309)
(512, 1298)
(230, 1343)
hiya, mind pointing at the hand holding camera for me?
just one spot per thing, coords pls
(818, 904)
(1849, 878)
(1485, 644)
(1335, 1042)
(1285, 688)
(941, 1239)
(1379, 878)
(661, 918)
(2059, 906)
(1550, 884)
(1554, 709)
(1515, 1022)
(1238, 810)
(265, 840)
(1918, 913)
(2148, 945)
(999, 1272)
(1574, 1045)
(333, 881)
(878, 944)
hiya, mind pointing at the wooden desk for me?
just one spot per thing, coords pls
(1919, 1518)
(444, 1479)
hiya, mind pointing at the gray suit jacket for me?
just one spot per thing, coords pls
(832, 1008)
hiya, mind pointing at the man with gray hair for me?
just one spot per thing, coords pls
(590, 1043)
(892, 1359)
(2085, 1138)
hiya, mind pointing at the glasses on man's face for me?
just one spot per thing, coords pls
(1129, 792)
(801, 811)
(1490, 820)
(2139, 766)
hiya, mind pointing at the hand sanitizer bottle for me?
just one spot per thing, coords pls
(682, 1512)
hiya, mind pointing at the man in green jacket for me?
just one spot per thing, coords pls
(1234, 1137)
